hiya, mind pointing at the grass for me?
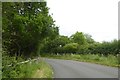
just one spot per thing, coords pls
(109, 60)
(33, 69)
(44, 71)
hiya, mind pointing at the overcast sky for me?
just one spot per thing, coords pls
(99, 18)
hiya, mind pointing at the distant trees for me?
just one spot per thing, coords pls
(104, 48)
(80, 43)
(55, 45)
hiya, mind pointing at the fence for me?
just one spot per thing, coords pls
(29, 60)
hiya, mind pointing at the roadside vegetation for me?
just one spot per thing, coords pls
(109, 60)
(44, 71)
(32, 69)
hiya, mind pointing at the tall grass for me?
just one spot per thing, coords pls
(109, 60)
(44, 71)
(28, 70)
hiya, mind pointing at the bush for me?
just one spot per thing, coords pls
(71, 48)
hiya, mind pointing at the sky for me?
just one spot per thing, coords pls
(98, 18)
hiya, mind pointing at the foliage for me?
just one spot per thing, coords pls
(55, 45)
(25, 25)
(79, 38)
(27, 70)
(89, 39)
(71, 48)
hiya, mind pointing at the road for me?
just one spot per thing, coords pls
(75, 69)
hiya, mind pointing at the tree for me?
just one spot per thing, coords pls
(55, 45)
(79, 38)
(89, 39)
(71, 47)
(25, 26)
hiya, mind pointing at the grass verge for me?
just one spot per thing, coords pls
(109, 60)
(33, 69)
(44, 71)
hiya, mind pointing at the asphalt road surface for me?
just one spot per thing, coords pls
(75, 69)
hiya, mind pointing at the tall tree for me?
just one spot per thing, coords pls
(25, 25)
